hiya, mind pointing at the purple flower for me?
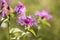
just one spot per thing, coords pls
(27, 20)
(4, 12)
(20, 9)
(43, 14)
(3, 3)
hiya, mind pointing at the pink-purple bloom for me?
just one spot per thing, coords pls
(20, 9)
(3, 3)
(43, 14)
(27, 20)
(3, 8)
(4, 12)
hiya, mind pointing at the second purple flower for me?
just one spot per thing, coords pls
(20, 9)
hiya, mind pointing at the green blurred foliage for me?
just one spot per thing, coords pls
(52, 33)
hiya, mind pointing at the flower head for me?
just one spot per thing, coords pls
(5, 7)
(3, 3)
(27, 20)
(20, 9)
(43, 14)
(4, 12)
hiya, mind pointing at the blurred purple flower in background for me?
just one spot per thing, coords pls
(27, 20)
(43, 14)
(20, 9)
(4, 12)
(3, 3)
(5, 7)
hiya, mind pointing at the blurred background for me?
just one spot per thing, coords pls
(53, 6)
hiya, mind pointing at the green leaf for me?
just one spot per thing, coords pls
(46, 23)
(12, 15)
(32, 31)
